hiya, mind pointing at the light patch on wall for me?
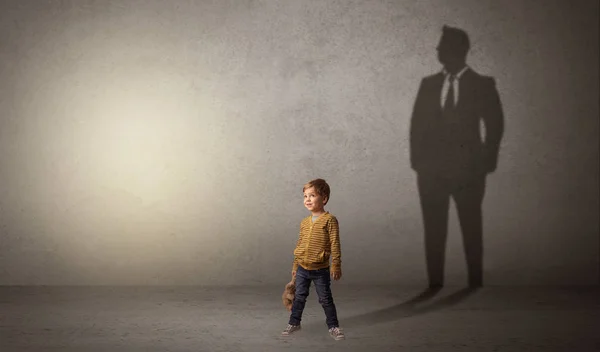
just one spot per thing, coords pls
(134, 146)
(146, 130)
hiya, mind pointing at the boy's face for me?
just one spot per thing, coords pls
(313, 201)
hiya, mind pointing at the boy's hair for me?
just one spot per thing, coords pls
(321, 187)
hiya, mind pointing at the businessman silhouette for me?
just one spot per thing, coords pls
(450, 155)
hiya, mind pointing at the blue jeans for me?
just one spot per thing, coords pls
(322, 280)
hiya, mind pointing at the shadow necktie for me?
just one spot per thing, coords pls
(449, 102)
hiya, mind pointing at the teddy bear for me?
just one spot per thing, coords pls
(288, 294)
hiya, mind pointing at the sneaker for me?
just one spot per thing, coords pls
(290, 329)
(337, 333)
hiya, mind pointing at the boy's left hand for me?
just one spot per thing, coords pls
(336, 275)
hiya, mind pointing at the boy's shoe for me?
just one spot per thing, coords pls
(290, 329)
(337, 333)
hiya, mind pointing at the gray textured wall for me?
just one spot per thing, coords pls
(166, 142)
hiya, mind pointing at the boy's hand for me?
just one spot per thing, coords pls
(293, 273)
(336, 275)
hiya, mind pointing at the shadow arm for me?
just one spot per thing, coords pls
(493, 119)
(417, 129)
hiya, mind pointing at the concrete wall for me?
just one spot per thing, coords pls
(167, 142)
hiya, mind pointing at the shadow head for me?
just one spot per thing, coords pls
(453, 47)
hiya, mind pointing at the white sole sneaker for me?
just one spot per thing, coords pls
(339, 336)
(291, 329)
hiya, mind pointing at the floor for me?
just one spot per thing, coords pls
(234, 319)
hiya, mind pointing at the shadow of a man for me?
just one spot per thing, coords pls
(450, 156)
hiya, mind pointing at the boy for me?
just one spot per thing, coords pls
(318, 242)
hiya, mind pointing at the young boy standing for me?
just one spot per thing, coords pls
(318, 242)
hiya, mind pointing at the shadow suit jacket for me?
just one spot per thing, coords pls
(451, 142)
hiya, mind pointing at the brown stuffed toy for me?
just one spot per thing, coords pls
(288, 294)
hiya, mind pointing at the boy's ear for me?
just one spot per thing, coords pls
(325, 200)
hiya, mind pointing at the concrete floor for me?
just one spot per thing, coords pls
(251, 319)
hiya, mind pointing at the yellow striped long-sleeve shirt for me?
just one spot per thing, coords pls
(318, 242)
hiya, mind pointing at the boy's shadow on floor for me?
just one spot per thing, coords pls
(407, 309)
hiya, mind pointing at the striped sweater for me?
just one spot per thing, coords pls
(318, 242)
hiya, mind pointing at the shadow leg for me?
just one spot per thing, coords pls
(469, 198)
(435, 201)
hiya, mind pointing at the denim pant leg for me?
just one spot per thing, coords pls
(302, 290)
(323, 286)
